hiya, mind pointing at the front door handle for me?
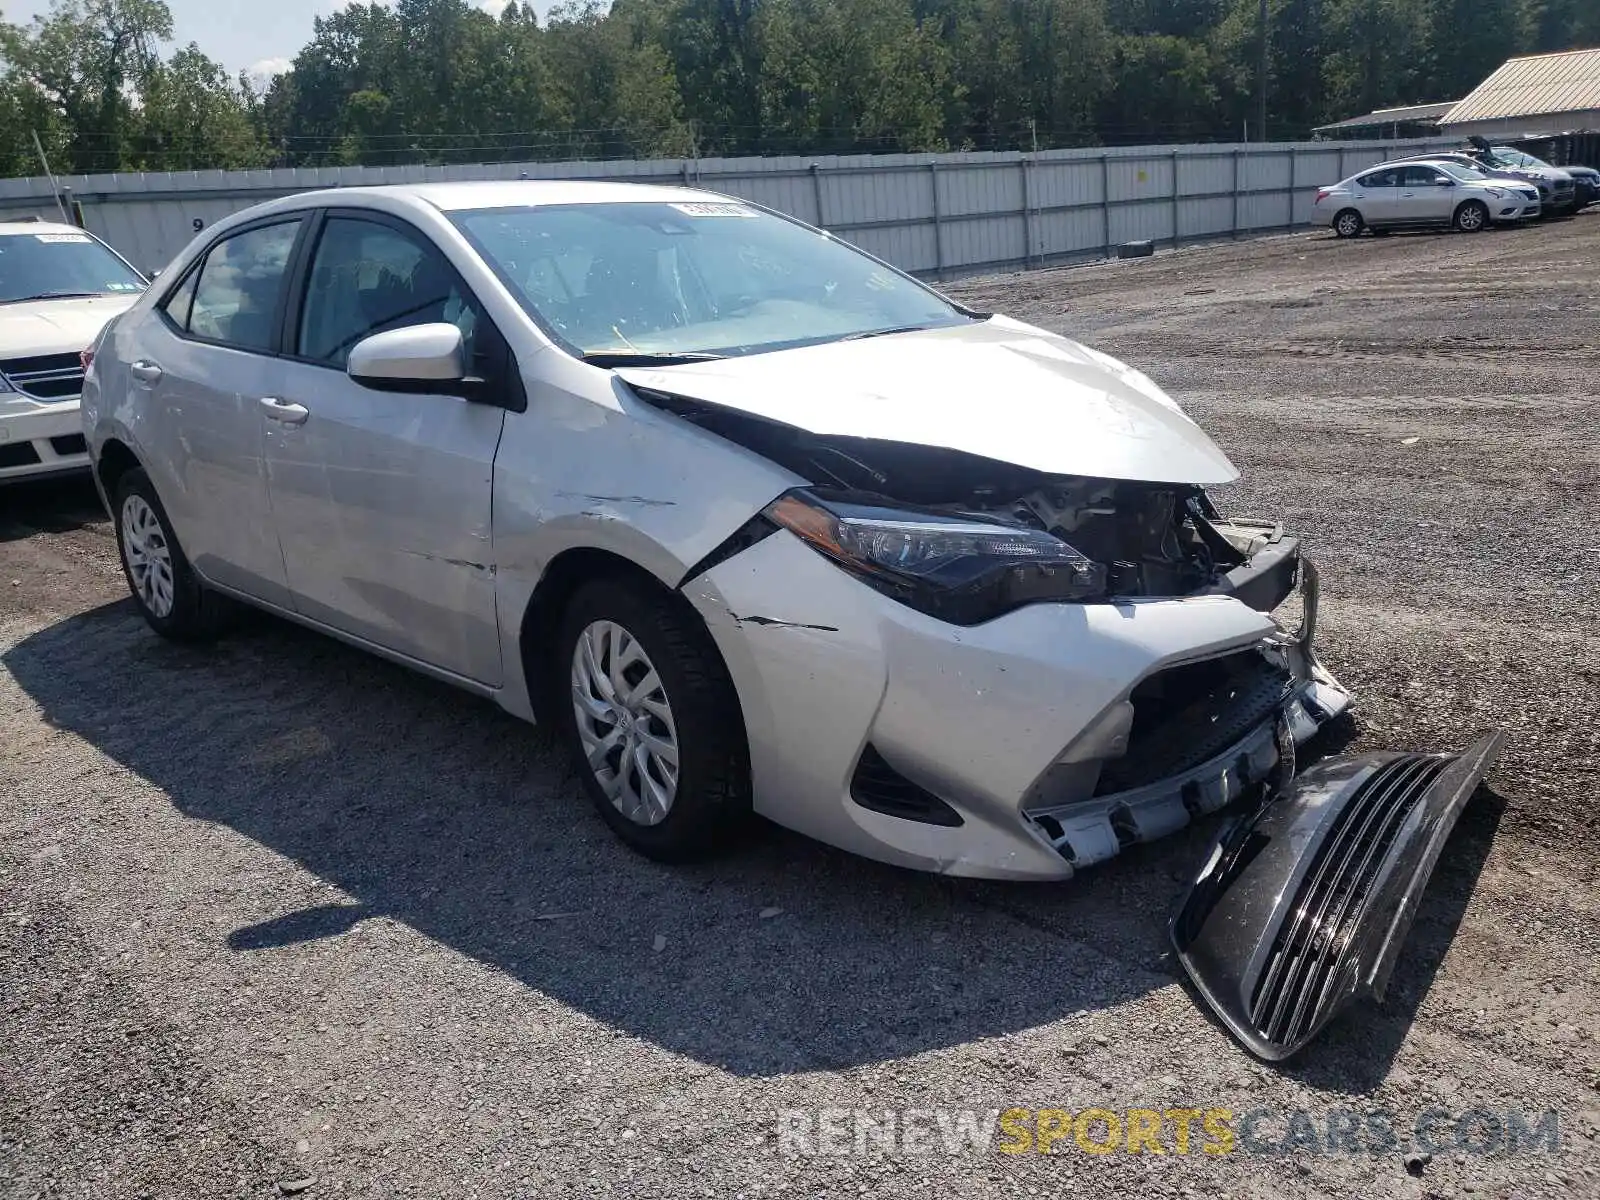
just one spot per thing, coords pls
(145, 371)
(283, 411)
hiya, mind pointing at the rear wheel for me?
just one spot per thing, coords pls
(1347, 223)
(652, 721)
(1472, 217)
(168, 592)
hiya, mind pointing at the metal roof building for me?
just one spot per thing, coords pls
(1414, 120)
(1542, 94)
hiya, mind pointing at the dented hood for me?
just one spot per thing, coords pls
(995, 388)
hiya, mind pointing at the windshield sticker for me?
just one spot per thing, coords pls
(706, 209)
(58, 238)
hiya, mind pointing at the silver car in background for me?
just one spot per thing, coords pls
(1421, 194)
(756, 521)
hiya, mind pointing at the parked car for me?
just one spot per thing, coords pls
(1586, 180)
(760, 523)
(754, 519)
(1418, 194)
(1546, 187)
(1563, 197)
(58, 286)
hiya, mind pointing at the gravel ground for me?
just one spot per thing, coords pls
(276, 917)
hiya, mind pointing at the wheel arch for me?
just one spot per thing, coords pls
(115, 460)
(568, 571)
(1361, 220)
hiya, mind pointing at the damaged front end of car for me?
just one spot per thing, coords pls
(1302, 904)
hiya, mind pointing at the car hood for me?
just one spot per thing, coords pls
(56, 326)
(995, 388)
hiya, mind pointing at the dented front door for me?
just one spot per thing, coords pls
(382, 505)
(381, 499)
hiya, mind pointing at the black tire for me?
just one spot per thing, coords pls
(197, 613)
(1472, 217)
(1348, 223)
(712, 800)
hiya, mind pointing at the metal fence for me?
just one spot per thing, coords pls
(936, 215)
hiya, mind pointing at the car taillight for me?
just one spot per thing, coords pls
(1322, 194)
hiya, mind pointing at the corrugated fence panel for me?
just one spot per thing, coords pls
(1070, 234)
(936, 214)
(990, 240)
(980, 190)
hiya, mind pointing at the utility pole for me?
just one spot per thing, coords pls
(48, 174)
(1261, 79)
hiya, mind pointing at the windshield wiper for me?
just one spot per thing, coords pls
(52, 296)
(648, 358)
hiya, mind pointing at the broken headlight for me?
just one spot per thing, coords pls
(961, 569)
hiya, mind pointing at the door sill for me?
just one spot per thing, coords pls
(466, 684)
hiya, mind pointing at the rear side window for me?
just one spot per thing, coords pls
(1379, 179)
(233, 297)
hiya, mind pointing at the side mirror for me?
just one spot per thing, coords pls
(420, 358)
(1444, 183)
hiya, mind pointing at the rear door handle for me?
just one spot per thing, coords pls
(283, 411)
(145, 371)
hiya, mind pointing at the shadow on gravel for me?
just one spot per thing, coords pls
(431, 808)
(48, 506)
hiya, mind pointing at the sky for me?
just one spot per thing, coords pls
(259, 36)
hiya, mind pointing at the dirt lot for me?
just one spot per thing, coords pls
(275, 911)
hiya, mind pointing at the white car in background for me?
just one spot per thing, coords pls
(1417, 195)
(58, 288)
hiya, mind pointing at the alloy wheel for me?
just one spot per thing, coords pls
(1471, 218)
(625, 722)
(1349, 225)
(149, 558)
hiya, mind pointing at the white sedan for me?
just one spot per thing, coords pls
(758, 522)
(1418, 195)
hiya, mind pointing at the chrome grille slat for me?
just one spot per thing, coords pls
(1366, 827)
(1391, 814)
(45, 376)
(1294, 931)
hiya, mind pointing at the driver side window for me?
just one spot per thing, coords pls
(366, 278)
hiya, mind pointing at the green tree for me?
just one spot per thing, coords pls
(89, 60)
(192, 115)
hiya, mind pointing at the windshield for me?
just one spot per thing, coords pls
(700, 277)
(40, 265)
(1509, 157)
(1465, 174)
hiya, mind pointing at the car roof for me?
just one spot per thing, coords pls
(513, 193)
(13, 227)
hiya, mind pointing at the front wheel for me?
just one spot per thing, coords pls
(1348, 223)
(169, 594)
(653, 723)
(1472, 217)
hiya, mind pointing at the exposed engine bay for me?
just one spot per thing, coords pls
(1155, 540)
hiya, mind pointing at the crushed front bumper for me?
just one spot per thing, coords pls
(1303, 905)
(1089, 831)
(896, 736)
